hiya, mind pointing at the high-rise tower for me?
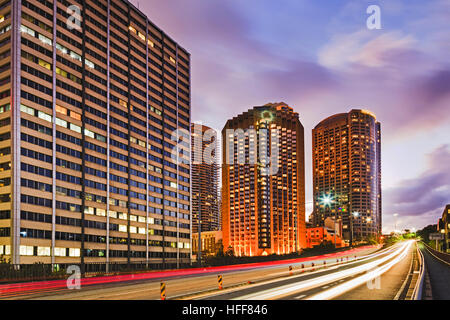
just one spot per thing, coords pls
(205, 178)
(91, 92)
(347, 172)
(263, 183)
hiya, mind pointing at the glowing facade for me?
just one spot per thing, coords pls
(347, 172)
(263, 212)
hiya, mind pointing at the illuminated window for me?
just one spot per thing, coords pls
(75, 56)
(45, 40)
(26, 250)
(89, 133)
(60, 109)
(45, 64)
(113, 214)
(25, 29)
(74, 252)
(44, 116)
(60, 252)
(89, 63)
(75, 128)
(123, 103)
(61, 72)
(61, 122)
(26, 109)
(75, 115)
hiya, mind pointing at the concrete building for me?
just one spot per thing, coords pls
(444, 228)
(316, 236)
(212, 243)
(347, 173)
(263, 183)
(88, 106)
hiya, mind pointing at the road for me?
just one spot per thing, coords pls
(179, 283)
(363, 273)
(355, 280)
(439, 275)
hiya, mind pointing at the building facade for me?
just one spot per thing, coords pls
(346, 159)
(443, 227)
(317, 236)
(205, 179)
(91, 93)
(263, 204)
(211, 243)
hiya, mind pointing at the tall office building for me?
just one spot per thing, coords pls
(91, 92)
(205, 179)
(347, 172)
(263, 209)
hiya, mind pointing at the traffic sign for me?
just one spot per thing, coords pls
(436, 236)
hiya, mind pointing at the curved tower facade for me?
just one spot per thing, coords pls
(347, 173)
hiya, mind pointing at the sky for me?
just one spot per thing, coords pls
(320, 58)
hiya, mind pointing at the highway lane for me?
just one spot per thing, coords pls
(325, 284)
(439, 273)
(178, 283)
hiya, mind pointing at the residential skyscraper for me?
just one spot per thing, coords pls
(263, 201)
(346, 158)
(91, 92)
(205, 178)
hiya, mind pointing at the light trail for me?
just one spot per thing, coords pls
(349, 285)
(9, 290)
(289, 289)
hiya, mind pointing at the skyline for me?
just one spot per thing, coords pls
(323, 61)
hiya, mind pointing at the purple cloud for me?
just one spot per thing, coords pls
(428, 193)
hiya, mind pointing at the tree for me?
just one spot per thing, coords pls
(425, 232)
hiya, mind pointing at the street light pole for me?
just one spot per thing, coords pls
(395, 222)
(354, 215)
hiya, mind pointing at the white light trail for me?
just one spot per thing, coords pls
(322, 280)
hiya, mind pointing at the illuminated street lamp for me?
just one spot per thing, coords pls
(395, 222)
(354, 215)
(327, 199)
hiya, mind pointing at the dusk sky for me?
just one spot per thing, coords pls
(321, 59)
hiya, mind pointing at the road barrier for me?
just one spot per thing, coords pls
(312, 266)
(444, 257)
(418, 289)
(303, 267)
(220, 281)
(290, 270)
(162, 288)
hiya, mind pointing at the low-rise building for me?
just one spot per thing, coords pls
(444, 227)
(211, 243)
(323, 235)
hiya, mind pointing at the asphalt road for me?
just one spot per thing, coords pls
(178, 287)
(355, 280)
(439, 273)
